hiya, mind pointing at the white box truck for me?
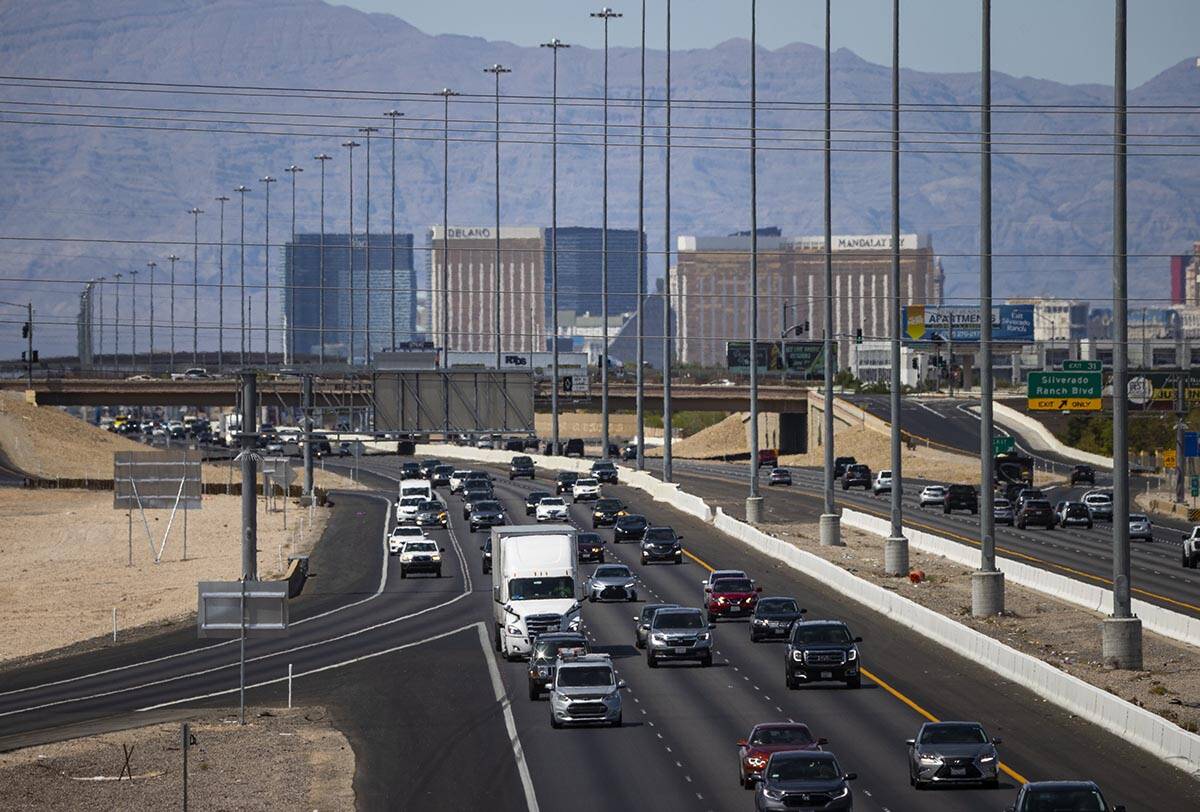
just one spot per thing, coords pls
(535, 586)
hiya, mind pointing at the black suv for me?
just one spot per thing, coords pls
(822, 650)
(661, 544)
(773, 617)
(960, 497)
(439, 477)
(531, 501)
(1083, 473)
(520, 466)
(604, 471)
(411, 470)
(606, 511)
(856, 476)
(630, 527)
(590, 547)
(840, 464)
(546, 650)
(564, 482)
(427, 467)
(565, 447)
(1036, 512)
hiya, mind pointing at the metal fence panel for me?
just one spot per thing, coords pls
(461, 401)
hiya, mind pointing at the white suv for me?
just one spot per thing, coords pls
(585, 690)
(551, 509)
(932, 495)
(407, 507)
(882, 483)
(401, 534)
(585, 490)
(1191, 549)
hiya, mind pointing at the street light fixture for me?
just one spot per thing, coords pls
(829, 523)
(393, 115)
(497, 70)
(350, 145)
(267, 181)
(555, 45)
(604, 14)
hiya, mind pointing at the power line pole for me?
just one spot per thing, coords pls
(173, 259)
(241, 190)
(195, 211)
(497, 70)
(249, 462)
(896, 547)
(117, 324)
(321, 263)
(1122, 633)
(555, 45)
(267, 181)
(830, 521)
(222, 199)
(666, 384)
(604, 14)
(152, 266)
(133, 319)
(100, 321)
(367, 348)
(289, 335)
(393, 115)
(350, 145)
(445, 93)
(640, 405)
(754, 501)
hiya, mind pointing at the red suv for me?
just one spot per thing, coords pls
(755, 750)
(731, 597)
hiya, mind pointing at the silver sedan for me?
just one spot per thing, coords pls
(611, 582)
(952, 753)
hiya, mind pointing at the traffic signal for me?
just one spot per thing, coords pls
(916, 364)
(25, 330)
(32, 358)
(858, 336)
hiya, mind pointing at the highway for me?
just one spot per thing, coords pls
(406, 673)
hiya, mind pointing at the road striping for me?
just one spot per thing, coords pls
(509, 722)
(213, 646)
(894, 692)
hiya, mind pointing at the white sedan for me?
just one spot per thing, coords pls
(407, 507)
(551, 509)
(585, 490)
(932, 495)
(401, 534)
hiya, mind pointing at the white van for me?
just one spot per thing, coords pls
(416, 487)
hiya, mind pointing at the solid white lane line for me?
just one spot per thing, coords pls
(190, 652)
(510, 723)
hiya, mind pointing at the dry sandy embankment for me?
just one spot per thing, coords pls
(1063, 635)
(286, 760)
(66, 552)
(729, 437)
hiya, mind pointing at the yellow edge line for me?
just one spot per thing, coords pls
(1011, 773)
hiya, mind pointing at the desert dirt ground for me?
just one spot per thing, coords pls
(1063, 635)
(280, 760)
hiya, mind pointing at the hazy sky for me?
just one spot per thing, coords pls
(1063, 40)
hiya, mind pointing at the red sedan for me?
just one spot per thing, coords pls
(755, 750)
(731, 597)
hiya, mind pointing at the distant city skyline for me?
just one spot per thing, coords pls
(1065, 41)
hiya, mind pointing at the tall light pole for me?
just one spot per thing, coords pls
(100, 321)
(393, 115)
(754, 501)
(151, 265)
(895, 552)
(266, 181)
(241, 190)
(222, 199)
(555, 46)
(173, 259)
(604, 14)
(640, 405)
(133, 319)
(289, 335)
(829, 527)
(666, 383)
(195, 211)
(321, 264)
(350, 145)
(1122, 632)
(367, 348)
(987, 583)
(446, 93)
(497, 70)
(117, 324)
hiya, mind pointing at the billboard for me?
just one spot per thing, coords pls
(800, 358)
(940, 323)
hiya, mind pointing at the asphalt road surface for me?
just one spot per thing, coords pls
(437, 723)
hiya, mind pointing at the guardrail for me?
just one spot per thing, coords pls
(1135, 724)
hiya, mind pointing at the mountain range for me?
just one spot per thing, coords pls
(99, 181)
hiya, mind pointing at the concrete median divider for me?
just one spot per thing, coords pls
(1134, 724)
(1155, 618)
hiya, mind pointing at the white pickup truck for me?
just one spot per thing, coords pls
(1191, 549)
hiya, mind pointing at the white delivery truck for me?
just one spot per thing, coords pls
(535, 588)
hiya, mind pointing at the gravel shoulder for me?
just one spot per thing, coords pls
(280, 760)
(1065, 636)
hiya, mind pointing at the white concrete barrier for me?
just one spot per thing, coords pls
(1134, 724)
(1155, 618)
(1044, 439)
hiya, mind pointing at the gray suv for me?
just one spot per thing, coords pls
(585, 690)
(641, 623)
(679, 634)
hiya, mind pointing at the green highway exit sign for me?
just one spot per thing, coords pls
(1002, 445)
(1065, 391)
(1081, 366)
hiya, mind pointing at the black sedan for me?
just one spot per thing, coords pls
(564, 482)
(773, 618)
(780, 476)
(532, 499)
(591, 547)
(630, 527)
(606, 512)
